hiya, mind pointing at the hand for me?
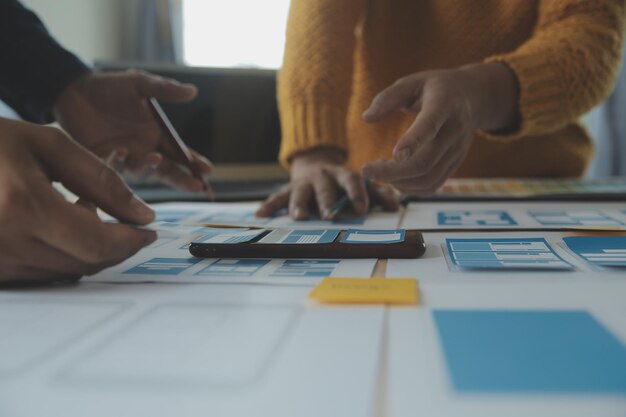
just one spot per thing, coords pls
(451, 105)
(320, 176)
(46, 238)
(108, 112)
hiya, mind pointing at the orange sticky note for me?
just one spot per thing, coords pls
(366, 291)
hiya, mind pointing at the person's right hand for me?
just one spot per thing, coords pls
(321, 176)
(44, 237)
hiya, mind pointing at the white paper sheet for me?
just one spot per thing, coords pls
(168, 260)
(435, 267)
(243, 214)
(418, 379)
(192, 350)
(502, 215)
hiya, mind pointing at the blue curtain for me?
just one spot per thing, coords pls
(159, 31)
(607, 124)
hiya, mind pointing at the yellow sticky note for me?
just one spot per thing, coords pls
(366, 291)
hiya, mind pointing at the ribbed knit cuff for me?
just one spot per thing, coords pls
(541, 94)
(311, 125)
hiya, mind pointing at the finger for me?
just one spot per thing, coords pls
(385, 196)
(163, 89)
(57, 261)
(326, 194)
(87, 205)
(433, 179)
(403, 94)
(299, 201)
(117, 159)
(177, 176)
(144, 165)
(418, 165)
(274, 202)
(423, 130)
(203, 164)
(90, 178)
(75, 230)
(32, 276)
(354, 185)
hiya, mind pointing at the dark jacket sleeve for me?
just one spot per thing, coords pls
(34, 68)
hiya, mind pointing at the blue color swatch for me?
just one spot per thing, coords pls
(606, 251)
(356, 236)
(306, 268)
(472, 218)
(163, 266)
(565, 218)
(523, 253)
(233, 267)
(530, 352)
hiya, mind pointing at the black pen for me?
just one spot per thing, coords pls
(342, 203)
(182, 154)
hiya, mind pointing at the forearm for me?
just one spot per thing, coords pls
(493, 96)
(569, 64)
(314, 83)
(35, 68)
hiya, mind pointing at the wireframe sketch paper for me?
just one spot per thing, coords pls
(530, 215)
(163, 350)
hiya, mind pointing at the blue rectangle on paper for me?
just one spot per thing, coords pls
(504, 253)
(311, 236)
(233, 268)
(163, 266)
(375, 237)
(239, 235)
(306, 268)
(607, 251)
(475, 218)
(524, 352)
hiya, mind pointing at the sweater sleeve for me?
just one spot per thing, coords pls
(315, 80)
(35, 68)
(568, 65)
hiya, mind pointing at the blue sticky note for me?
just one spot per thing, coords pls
(504, 253)
(358, 236)
(525, 352)
(607, 251)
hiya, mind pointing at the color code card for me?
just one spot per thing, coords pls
(524, 253)
(530, 352)
(366, 291)
(605, 251)
(373, 236)
(286, 236)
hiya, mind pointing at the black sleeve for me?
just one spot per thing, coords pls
(34, 68)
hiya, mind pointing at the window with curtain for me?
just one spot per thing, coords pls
(234, 33)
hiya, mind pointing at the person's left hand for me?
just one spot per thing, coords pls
(109, 113)
(451, 105)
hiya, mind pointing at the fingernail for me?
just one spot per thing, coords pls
(150, 239)
(359, 205)
(327, 214)
(141, 209)
(403, 154)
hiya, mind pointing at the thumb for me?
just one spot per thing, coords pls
(163, 89)
(402, 95)
(89, 178)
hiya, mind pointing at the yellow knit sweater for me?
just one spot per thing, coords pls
(341, 53)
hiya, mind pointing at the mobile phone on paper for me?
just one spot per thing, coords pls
(311, 243)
